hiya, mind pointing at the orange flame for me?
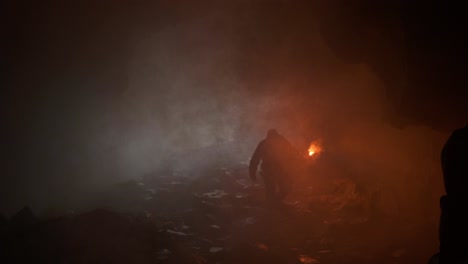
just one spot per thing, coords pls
(313, 149)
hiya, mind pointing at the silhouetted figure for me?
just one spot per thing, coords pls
(276, 154)
(453, 229)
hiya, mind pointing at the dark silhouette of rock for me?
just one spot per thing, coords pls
(100, 236)
(23, 218)
(3, 222)
(424, 85)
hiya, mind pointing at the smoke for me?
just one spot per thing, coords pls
(135, 89)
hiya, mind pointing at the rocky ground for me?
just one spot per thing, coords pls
(217, 216)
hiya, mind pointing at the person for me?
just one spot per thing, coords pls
(275, 154)
(453, 226)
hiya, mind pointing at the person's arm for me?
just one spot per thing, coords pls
(254, 161)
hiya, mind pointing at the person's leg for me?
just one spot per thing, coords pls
(270, 187)
(284, 183)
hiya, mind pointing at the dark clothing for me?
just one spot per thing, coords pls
(455, 165)
(453, 227)
(275, 154)
(453, 232)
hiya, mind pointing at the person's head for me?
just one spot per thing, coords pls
(272, 133)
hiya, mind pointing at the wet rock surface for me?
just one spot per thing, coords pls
(217, 217)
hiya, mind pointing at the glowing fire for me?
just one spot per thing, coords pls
(313, 149)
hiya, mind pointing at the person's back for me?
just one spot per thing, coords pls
(275, 154)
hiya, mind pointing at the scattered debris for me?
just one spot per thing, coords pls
(215, 249)
(163, 254)
(240, 195)
(145, 214)
(194, 223)
(177, 233)
(307, 260)
(216, 194)
(199, 259)
(261, 246)
(207, 241)
(249, 221)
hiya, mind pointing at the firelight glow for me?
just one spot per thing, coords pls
(313, 149)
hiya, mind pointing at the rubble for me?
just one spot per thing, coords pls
(216, 218)
(261, 246)
(163, 254)
(307, 260)
(215, 249)
(23, 218)
(177, 233)
(215, 194)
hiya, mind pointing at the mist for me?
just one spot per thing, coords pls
(99, 93)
